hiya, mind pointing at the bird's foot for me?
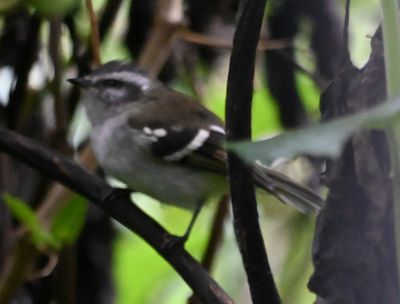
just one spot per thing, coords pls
(174, 242)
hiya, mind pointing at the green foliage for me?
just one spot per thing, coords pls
(325, 139)
(66, 227)
(264, 112)
(21, 211)
(391, 35)
(53, 8)
(309, 95)
(69, 221)
(138, 269)
(297, 269)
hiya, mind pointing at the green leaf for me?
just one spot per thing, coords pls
(391, 43)
(325, 139)
(22, 212)
(69, 221)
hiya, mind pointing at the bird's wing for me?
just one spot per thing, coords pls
(196, 146)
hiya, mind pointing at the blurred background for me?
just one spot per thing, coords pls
(42, 43)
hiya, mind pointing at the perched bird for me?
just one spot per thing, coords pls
(164, 144)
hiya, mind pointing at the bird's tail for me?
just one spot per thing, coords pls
(286, 190)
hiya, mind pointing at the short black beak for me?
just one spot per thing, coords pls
(79, 82)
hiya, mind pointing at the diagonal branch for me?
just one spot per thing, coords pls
(95, 189)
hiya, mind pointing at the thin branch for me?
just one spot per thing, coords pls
(18, 263)
(94, 32)
(238, 122)
(58, 195)
(321, 83)
(226, 43)
(168, 21)
(107, 19)
(217, 232)
(120, 208)
(345, 59)
(83, 61)
(216, 236)
(58, 136)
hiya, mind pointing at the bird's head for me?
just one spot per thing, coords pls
(112, 87)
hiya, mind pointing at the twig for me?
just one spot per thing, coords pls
(222, 42)
(216, 235)
(58, 195)
(83, 61)
(168, 21)
(321, 83)
(59, 133)
(238, 123)
(46, 270)
(345, 46)
(94, 33)
(120, 208)
(18, 263)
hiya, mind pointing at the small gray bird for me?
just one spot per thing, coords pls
(162, 143)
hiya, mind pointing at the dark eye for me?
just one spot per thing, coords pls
(135, 92)
(113, 83)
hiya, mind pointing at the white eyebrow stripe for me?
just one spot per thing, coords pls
(143, 81)
(217, 129)
(194, 144)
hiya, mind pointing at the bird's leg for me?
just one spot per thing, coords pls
(195, 215)
(181, 240)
